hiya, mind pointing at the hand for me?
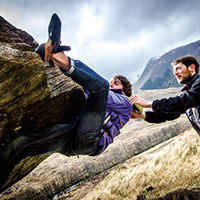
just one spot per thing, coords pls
(136, 115)
(142, 102)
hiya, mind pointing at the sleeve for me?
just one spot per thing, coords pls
(155, 117)
(119, 104)
(178, 104)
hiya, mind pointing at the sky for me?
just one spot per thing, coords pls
(111, 36)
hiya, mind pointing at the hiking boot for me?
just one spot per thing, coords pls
(41, 52)
(53, 42)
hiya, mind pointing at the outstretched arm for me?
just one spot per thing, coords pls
(152, 117)
(155, 117)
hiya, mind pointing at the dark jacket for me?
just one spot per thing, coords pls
(188, 102)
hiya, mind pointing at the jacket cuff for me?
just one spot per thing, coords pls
(154, 107)
(148, 116)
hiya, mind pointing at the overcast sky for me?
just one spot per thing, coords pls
(111, 36)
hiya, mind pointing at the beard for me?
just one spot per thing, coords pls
(184, 79)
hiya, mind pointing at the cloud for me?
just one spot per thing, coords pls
(111, 36)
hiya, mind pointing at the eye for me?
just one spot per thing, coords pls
(177, 69)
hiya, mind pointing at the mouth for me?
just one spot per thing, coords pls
(178, 77)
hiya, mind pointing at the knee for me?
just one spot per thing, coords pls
(104, 88)
(107, 85)
(86, 144)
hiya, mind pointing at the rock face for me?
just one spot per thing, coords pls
(58, 173)
(16, 37)
(33, 97)
(158, 73)
(169, 171)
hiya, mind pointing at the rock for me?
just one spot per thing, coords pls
(59, 174)
(33, 96)
(168, 171)
(16, 37)
(183, 193)
(50, 179)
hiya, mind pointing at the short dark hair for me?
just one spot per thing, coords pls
(127, 87)
(187, 61)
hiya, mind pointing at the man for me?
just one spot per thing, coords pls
(186, 70)
(105, 112)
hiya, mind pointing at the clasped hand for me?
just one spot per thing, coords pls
(142, 102)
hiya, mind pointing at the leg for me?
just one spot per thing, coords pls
(89, 124)
(48, 141)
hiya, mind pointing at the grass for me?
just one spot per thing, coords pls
(170, 166)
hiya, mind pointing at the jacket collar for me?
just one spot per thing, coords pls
(119, 91)
(188, 85)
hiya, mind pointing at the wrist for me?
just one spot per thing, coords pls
(149, 104)
(143, 115)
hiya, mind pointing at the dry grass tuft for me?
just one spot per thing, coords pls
(170, 166)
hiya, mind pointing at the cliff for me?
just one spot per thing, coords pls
(32, 97)
(66, 177)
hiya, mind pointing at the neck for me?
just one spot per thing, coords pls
(190, 78)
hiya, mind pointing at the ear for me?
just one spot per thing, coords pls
(191, 68)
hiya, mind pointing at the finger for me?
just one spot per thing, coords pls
(131, 101)
(133, 96)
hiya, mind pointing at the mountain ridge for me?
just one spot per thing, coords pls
(154, 77)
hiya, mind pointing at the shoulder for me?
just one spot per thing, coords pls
(119, 103)
(198, 79)
(196, 83)
(118, 96)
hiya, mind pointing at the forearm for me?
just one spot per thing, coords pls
(178, 104)
(155, 117)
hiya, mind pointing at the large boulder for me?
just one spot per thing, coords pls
(33, 96)
(17, 37)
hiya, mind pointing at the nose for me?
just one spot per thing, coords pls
(175, 72)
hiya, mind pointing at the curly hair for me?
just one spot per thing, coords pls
(127, 87)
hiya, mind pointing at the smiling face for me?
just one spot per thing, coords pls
(115, 83)
(182, 73)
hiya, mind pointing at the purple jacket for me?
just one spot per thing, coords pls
(118, 114)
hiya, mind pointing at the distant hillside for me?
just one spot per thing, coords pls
(158, 73)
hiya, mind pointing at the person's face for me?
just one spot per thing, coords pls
(116, 84)
(182, 73)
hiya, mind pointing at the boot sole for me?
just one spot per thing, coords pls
(53, 42)
(54, 31)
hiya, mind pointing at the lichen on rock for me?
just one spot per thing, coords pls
(33, 96)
